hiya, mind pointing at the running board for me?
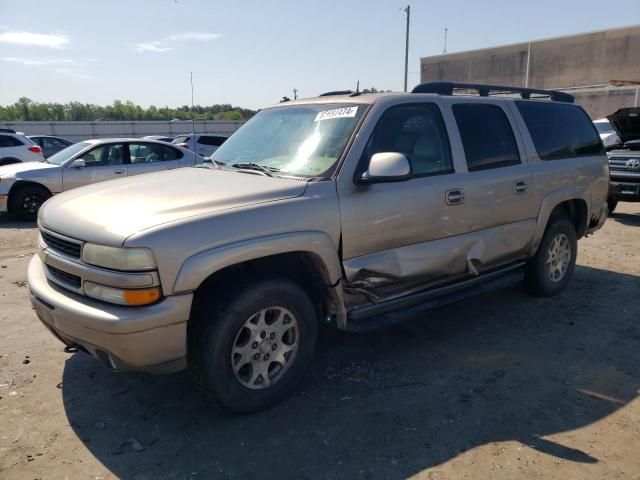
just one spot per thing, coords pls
(390, 312)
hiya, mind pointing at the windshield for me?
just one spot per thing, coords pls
(603, 128)
(66, 153)
(301, 140)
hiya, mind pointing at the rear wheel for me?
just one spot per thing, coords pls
(27, 200)
(8, 161)
(550, 270)
(252, 350)
(612, 203)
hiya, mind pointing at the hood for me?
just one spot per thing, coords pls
(111, 211)
(626, 123)
(15, 169)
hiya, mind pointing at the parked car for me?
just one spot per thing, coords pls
(16, 148)
(203, 145)
(604, 127)
(358, 210)
(160, 138)
(25, 187)
(624, 157)
(49, 144)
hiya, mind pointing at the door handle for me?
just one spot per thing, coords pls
(119, 171)
(454, 197)
(520, 187)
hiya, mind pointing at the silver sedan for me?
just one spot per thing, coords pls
(24, 187)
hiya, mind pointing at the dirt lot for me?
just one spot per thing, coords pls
(499, 386)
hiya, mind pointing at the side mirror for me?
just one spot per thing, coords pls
(386, 167)
(78, 163)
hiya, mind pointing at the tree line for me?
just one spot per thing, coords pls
(26, 109)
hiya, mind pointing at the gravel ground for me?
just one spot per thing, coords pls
(499, 386)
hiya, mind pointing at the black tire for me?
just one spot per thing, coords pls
(216, 330)
(612, 203)
(538, 278)
(26, 200)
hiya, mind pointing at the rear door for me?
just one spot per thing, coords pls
(104, 162)
(146, 157)
(11, 147)
(499, 191)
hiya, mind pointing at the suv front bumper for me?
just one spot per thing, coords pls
(151, 338)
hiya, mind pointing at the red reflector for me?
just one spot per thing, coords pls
(184, 145)
(35, 149)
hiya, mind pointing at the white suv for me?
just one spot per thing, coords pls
(16, 148)
(203, 145)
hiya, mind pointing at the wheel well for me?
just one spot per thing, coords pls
(20, 184)
(304, 268)
(576, 211)
(9, 161)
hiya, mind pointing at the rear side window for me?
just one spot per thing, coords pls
(9, 141)
(171, 153)
(487, 136)
(560, 130)
(210, 140)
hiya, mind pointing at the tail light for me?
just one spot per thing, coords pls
(184, 145)
(35, 149)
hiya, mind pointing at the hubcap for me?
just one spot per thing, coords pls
(265, 348)
(31, 202)
(558, 257)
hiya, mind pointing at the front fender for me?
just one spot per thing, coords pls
(198, 268)
(551, 201)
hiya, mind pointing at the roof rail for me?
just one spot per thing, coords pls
(336, 92)
(447, 88)
(7, 130)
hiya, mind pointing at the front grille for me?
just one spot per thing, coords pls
(61, 245)
(64, 277)
(619, 164)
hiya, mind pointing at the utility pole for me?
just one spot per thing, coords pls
(445, 40)
(406, 48)
(193, 120)
(295, 93)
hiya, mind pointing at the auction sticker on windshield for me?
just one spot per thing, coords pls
(344, 112)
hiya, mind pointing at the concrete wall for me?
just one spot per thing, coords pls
(588, 59)
(76, 131)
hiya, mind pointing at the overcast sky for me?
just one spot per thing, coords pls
(251, 53)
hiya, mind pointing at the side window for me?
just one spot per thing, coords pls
(145, 153)
(48, 143)
(38, 141)
(171, 153)
(418, 132)
(487, 137)
(9, 141)
(560, 130)
(105, 155)
(205, 140)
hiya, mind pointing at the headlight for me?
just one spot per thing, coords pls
(122, 297)
(118, 258)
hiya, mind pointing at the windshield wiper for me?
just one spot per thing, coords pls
(268, 171)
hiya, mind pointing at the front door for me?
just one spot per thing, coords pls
(105, 162)
(411, 229)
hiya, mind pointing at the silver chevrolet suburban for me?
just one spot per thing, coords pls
(358, 210)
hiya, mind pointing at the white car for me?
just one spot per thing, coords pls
(25, 187)
(202, 144)
(16, 148)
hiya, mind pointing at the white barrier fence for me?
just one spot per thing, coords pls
(77, 131)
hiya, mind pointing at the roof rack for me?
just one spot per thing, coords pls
(336, 92)
(7, 130)
(447, 88)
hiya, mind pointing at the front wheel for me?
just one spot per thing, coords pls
(252, 350)
(550, 270)
(612, 203)
(27, 200)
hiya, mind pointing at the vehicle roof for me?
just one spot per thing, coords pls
(95, 141)
(47, 136)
